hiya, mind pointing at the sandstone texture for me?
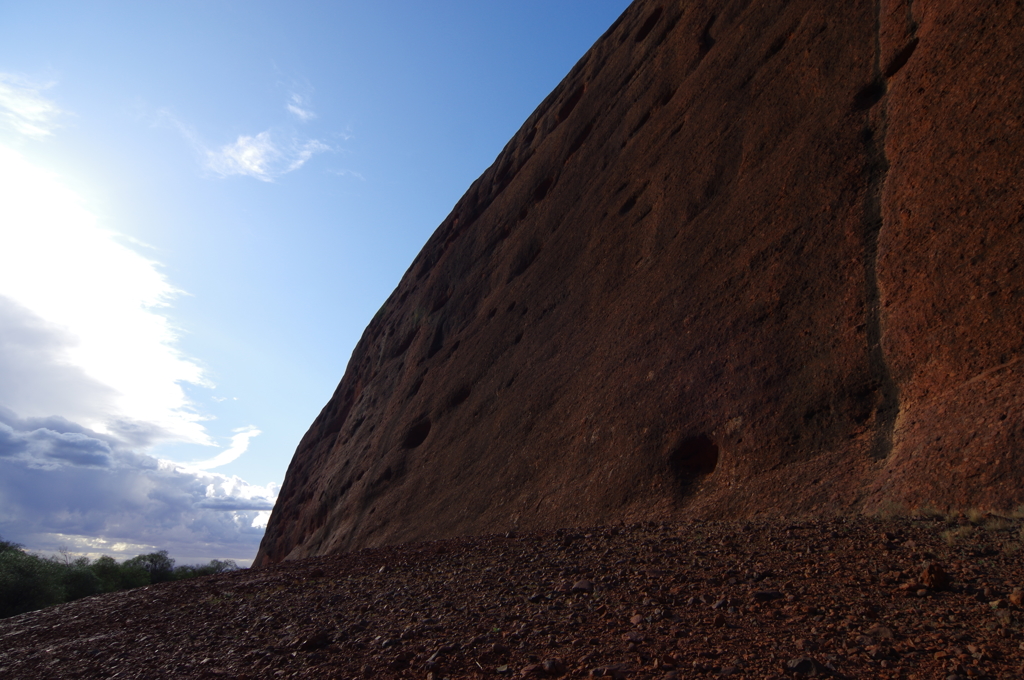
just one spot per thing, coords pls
(765, 599)
(749, 258)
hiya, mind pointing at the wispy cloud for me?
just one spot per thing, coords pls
(305, 152)
(262, 156)
(348, 173)
(265, 156)
(252, 156)
(239, 445)
(296, 104)
(24, 109)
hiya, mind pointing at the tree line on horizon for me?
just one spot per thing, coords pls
(29, 582)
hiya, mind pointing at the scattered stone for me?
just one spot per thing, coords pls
(934, 577)
(617, 672)
(318, 640)
(883, 632)
(807, 666)
(846, 622)
(767, 595)
(399, 664)
(554, 666)
(583, 586)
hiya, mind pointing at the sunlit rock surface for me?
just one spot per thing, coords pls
(748, 258)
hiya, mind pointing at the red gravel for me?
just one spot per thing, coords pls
(852, 598)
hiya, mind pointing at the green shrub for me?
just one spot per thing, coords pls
(158, 565)
(29, 582)
(79, 581)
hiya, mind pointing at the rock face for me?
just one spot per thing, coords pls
(748, 258)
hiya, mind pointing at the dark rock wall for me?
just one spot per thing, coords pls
(748, 258)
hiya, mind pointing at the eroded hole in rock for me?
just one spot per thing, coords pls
(524, 258)
(666, 96)
(692, 458)
(460, 395)
(542, 189)
(706, 42)
(580, 138)
(643, 121)
(440, 300)
(437, 342)
(571, 103)
(415, 388)
(417, 434)
(672, 23)
(648, 26)
(628, 205)
(776, 47)
(404, 344)
(868, 96)
(901, 58)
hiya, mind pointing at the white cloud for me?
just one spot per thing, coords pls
(250, 156)
(295, 106)
(348, 173)
(82, 312)
(264, 156)
(62, 484)
(239, 445)
(23, 109)
(305, 152)
(260, 157)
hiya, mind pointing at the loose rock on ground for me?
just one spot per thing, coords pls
(853, 598)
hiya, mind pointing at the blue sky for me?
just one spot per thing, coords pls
(202, 205)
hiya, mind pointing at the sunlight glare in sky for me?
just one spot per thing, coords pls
(58, 263)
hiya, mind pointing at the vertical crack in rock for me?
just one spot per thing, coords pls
(872, 100)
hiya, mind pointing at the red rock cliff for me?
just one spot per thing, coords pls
(749, 257)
